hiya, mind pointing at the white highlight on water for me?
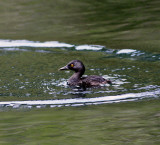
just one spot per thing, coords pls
(27, 43)
(9, 44)
(84, 101)
(89, 47)
(127, 51)
(52, 44)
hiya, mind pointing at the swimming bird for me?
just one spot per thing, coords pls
(78, 80)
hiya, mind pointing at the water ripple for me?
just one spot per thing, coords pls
(14, 45)
(80, 101)
(27, 43)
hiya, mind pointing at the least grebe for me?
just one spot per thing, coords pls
(77, 80)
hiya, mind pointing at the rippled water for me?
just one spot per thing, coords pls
(118, 40)
(128, 69)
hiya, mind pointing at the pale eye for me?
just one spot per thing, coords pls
(72, 65)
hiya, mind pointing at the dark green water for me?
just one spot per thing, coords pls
(123, 123)
(118, 40)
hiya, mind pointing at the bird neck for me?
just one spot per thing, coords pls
(77, 75)
(75, 78)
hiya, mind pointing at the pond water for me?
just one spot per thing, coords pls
(114, 39)
(30, 72)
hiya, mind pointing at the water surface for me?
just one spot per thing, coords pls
(117, 40)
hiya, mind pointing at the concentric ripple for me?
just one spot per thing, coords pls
(129, 78)
(80, 101)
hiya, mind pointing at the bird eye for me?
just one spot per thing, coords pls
(72, 65)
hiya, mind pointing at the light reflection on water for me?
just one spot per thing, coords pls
(122, 89)
(16, 45)
(26, 43)
(118, 40)
(80, 101)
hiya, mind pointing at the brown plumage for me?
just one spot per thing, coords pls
(77, 80)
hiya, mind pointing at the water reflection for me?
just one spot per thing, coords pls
(115, 39)
(80, 101)
(25, 45)
(41, 79)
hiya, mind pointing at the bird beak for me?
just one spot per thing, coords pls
(64, 68)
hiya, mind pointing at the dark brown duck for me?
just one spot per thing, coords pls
(77, 80)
